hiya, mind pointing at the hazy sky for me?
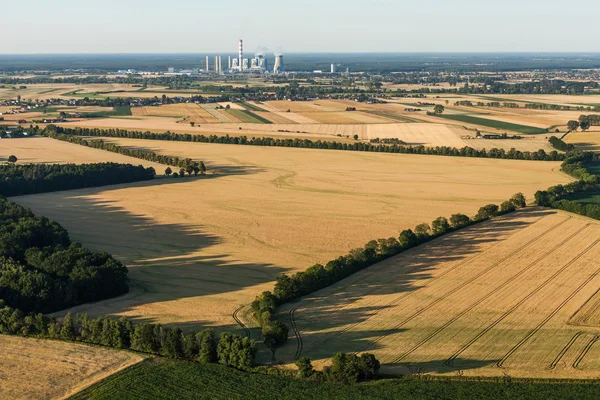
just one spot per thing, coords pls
(186, 26)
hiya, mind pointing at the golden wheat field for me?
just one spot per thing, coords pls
(200, 248)
(589, 140)
(490, 300)
(45, 369)
(50, 151)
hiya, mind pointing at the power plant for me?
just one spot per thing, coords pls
(236, 65)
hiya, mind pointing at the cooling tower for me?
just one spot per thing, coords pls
(278, 63)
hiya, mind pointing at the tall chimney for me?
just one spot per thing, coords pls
(241, 54)
(206, 64)
(229, 62)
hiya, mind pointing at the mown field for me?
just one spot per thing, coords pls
(158, 379)
(48, 151)
(490, 300)
(44, 369)
(200, 248)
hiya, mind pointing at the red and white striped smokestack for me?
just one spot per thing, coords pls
(241, 54)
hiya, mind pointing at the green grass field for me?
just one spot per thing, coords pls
(592, 197)
(530, 130)
(161, 379)
(248, 116)
(251, 107)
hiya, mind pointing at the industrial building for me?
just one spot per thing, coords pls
(259, 64)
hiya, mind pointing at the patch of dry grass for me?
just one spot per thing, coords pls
(45, 369)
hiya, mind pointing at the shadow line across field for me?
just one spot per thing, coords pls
(330, 320)
(167, 261)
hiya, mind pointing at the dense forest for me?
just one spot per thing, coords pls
(41, 270)
(511, 154)
(17, 180)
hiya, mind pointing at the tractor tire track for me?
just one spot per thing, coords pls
(434, 302)
(450, 360)
(500, 364)
(239, 321)
(490, 294)
(584, 352)
(299, 344)
(564, 350)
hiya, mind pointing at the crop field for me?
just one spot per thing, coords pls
(50, 151)
(162, 379)
(589, 140)
(494, 299)
(191, 112)
(200, 248)
(44, 369)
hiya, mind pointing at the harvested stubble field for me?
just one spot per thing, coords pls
(493, 299)
(45, 369)
(49, 151)
(589, 140)
(200, 248)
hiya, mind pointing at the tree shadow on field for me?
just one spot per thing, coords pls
(167, 261)
(373, 308)
(437, 367)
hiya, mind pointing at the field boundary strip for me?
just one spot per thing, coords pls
(394, 301)
(450, 360)
(500, 364)
(436, 301)
(493, 292)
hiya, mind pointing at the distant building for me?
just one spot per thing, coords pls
(333, 68)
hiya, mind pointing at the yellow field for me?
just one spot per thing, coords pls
(490, 300)
(188, 112)
(589, 140)
(45, 369)
(50, 151)
(199, 248)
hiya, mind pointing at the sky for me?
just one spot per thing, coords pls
(200, 26)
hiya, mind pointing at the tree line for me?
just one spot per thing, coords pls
(557, 196)
(17, 180)
(185, 164)
(288, 288)
(559, 144)
(592, 120)
(202, 346)
(41, 270)
(511, 154)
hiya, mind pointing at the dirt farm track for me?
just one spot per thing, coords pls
(503, 297)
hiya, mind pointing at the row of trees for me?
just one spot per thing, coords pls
(573, 125)
(17, 180)
(344, 368)
(289, 288)
(512, 154)
(186, 164)
(42, 270)
(202, 346)
(591, 119)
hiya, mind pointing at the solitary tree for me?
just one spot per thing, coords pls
(355, 137)
(12, 159)
(168, 171)
(192, 124)
(439, 109)
(584, 125)
(573, 125)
